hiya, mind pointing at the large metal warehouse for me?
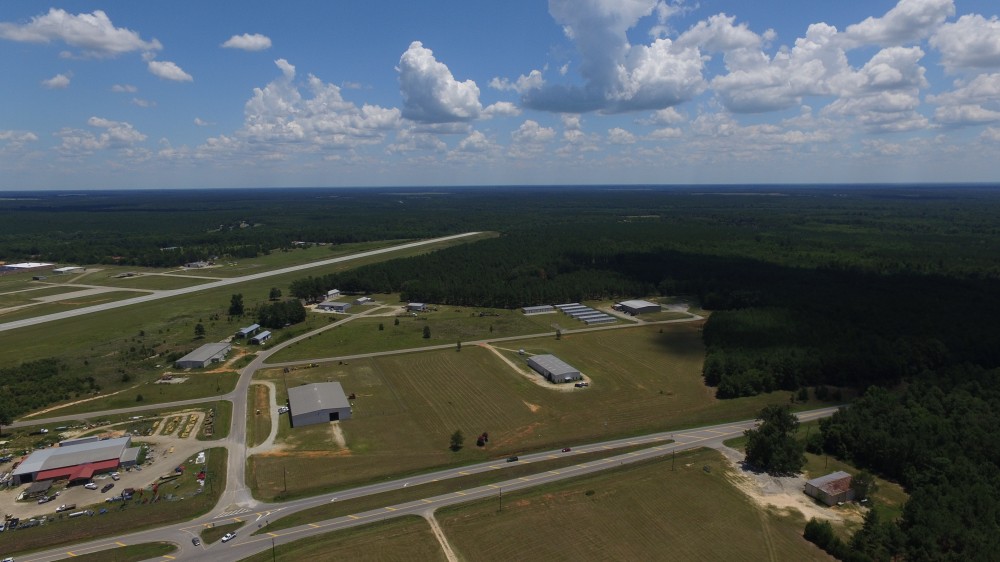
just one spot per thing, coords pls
(318, 403)
(637, 307)
(204, 356)
(76, 461)
(554, 369)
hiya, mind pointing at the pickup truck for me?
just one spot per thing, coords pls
(65, 507)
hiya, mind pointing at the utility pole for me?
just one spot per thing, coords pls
(501, 499)
(673, 459)
(284, 472)
(272, 550)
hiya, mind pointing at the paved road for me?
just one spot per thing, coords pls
(220, 283)
(246, 544)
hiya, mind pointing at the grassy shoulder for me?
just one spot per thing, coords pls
(176, 500)
(197, 385)
(644, 511)
(258, 414)
(130, 553)
(215, 533)
(401, 539)
(430, 489)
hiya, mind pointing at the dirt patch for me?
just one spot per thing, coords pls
(784, 493)
(533, 407)
(337, 433)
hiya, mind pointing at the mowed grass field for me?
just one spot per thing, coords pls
(403, 539)
(150, 282)
(28, 295)
(68, 304)
(196, 386)
(408, 406)
(641, 512)
(447, 325)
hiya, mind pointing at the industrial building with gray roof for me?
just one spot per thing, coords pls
(638, 307)
(204, 356)
(554, 369)
(318, 403)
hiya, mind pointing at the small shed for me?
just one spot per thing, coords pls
(554, 369)
(204, 356)
(249, 330)
(363, 300)
(831, 489)
(333, 293)
(416, 307)
(261, 337)
(318, 403)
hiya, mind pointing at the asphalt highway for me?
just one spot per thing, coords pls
(257, 516)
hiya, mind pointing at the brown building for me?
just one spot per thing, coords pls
(831, 489)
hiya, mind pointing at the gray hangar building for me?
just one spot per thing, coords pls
(318, 403)
(204, 356)
(554, 369)
(636, 307)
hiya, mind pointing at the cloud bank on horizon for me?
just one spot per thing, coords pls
(591, 91)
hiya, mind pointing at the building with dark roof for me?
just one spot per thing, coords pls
(831, 489)
(554, 369)
(79, 461)
(318, 403)
(331, 306)
(204, 356)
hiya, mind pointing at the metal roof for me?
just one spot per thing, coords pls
(552, 364)
(638, 304)
(206, 352)
(249, 329)
(832, 483)
(59, 457)
(317, 397)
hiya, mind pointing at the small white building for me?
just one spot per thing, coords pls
(69, 269)
(261, 337)
(332, 294)
(363, 300)
(416, 307)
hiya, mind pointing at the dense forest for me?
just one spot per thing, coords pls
(892, 292)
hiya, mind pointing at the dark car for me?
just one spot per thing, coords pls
(196, 541)
(512, 458)
(566, 449)
(107, 487)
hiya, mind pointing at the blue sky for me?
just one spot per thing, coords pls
(199, 94)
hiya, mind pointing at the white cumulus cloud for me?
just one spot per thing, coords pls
(93, 33)
(124, 88)
(430, 92)
(248, 42)
(115, 134)
(57, 82)
(168, 71)
(907, 21)
(971, 42)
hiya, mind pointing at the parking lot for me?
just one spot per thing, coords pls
(164, 454)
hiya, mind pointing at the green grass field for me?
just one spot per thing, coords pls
(408, 405)
(197, 386)
(69, 304)
(258, 414)
(124, 517)
(23, 297)
(105, 344)
(642, 512)
(403, 539)
(151, 282)
(448, 325)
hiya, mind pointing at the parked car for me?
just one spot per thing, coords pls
(512, 458)
(282, 409)
(196, 541)
(115, 476)
(8, 559)
(229, 536)
(107, 487)
(65, 507)
(90, 485)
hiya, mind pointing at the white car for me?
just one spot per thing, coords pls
(90, 486)
(228, 537)
(115, 476)
(8, 559)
